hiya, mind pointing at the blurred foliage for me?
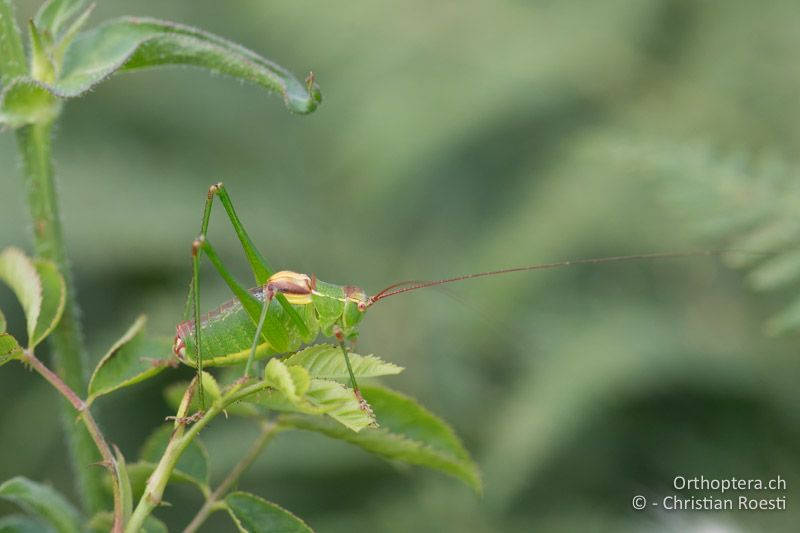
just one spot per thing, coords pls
(455, 138)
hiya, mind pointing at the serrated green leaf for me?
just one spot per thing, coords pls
(12, 54)
(133, 358)
(54, 297)
(127, 44)
(39, 288)
(22, 524)
(327, 362)
(408, 432)
(340, 403)
(252, 514)
(54, 15)
(44, 502)
(193, 463)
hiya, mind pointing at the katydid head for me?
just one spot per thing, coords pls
(356, 302)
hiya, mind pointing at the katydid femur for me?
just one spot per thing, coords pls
(287, 309)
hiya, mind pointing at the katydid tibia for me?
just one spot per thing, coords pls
(288, 309)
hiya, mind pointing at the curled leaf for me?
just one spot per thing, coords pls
(127, 44)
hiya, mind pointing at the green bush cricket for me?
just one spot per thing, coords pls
(288, 309)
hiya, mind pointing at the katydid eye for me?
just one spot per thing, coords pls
(362, 306)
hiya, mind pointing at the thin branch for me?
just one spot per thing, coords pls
(268, 431)
(91, 426)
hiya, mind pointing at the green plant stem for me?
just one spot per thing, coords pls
(34, 143)
(91, 426)
(268, 431)
(181, 438)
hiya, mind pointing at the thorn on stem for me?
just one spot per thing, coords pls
(186, 420)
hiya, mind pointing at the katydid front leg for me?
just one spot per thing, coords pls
(362, 403)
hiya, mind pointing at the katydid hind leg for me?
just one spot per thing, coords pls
(259, 266)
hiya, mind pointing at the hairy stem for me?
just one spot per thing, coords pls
(91, 427)
(268, 431)
(34, 143)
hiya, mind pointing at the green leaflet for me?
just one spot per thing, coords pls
(43, 502)
(193, 463)
(39, 288)
(326, 361)
(252, 514)
(291, 390)
(408, 432)
(133, 358)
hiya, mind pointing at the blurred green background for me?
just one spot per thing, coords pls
(456, 137)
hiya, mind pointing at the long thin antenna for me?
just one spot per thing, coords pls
(393, 289)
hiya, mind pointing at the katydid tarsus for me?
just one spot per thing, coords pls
(288, 309)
